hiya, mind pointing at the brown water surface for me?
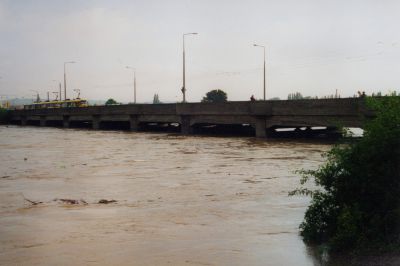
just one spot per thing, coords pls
(181, 200)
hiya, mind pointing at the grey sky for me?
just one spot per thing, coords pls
(314, 47)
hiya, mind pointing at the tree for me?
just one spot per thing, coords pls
(295, 96)
(357, 205)
(111, 101)
(215, 96)
(156, 99)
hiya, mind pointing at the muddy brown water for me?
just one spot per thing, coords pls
(181, 200)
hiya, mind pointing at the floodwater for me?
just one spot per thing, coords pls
(181, 200)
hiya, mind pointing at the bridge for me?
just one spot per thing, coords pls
(262, 116)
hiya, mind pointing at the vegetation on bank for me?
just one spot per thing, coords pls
(356, 205)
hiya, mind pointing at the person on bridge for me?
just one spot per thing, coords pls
(252, 98)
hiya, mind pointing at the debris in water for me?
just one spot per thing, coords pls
(5, 176)
(69, 201)
(83, 202)
(104, 201)
(33, 202)
(72, 201)
(251, 181)
(25, 159)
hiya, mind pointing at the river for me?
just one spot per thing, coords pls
(180, 200)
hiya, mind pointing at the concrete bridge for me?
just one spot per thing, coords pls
(263, 116)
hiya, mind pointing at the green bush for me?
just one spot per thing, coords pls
(356, 205)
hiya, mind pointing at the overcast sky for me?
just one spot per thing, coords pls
(313, 47)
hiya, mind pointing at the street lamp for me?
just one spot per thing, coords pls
(56, 94)
(264, 64)
(59, 93)
(65, 79)
(184, 85)
(37, 96)
(134, 83)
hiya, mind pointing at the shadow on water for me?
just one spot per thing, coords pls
(114, 125)
(320, 256)
(323, 135)
(224, 130)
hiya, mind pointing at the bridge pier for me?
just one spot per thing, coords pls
(133, 122)
(186, 129)
(65, 121)
(260, 127)
(96, 122)
(24, 121)
(42, 121)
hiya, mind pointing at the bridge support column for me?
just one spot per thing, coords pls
(42, 121)
(186, 129)
(261, 128)
(24, 121)
(96, 122)
(133, 122)
(65, 121)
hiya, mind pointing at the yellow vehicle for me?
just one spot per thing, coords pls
(5, 104)
(57, 104)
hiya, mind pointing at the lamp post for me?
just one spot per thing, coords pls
(56, 94)
(37, 96)
(184, 78)
(59, 85)
(134, 83)
(264, 64)
(59, 93)
(65, 79)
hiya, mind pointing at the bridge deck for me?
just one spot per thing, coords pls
(262, 115)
